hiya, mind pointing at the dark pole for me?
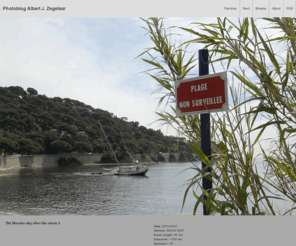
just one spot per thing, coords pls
(205, 125)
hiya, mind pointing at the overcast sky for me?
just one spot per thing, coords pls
(91, 60)
(87, 59)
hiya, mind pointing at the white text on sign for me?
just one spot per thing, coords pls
(202, 87)
(200, 102)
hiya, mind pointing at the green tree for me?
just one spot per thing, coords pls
(4, 100)
(32, 91)
(9, 124)
(49, 137)
(11, 96)
(17, 90)
(8, 145)
(62, 146)
(83, 147)
(69, 119)
(132, 145)
(137, 135)
(3, 91)
(37, 101)
(99, 146)
(29, 146)
(81, 137)
(44, 120)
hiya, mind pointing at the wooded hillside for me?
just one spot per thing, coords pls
(32, 123)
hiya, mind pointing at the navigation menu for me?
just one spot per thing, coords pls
(289, 8)
(231, 8)
(261, 8)
(276, 8)
(246, 8)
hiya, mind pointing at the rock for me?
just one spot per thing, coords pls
(69, 161)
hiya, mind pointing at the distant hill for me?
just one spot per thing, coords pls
(31, 123)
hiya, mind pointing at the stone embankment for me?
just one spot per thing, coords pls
(165, 155)
(45, 160)
(52, 160)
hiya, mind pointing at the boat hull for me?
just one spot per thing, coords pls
(132, 173)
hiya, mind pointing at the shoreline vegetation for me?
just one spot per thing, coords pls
(72, 159)
(36, 124)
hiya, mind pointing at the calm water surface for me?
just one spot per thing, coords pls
(77, 191)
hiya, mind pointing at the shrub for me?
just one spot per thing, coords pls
(69, 161)
(160, 157)
(81, 146)
(29, 146)
(172, 157)
(183, 157)
(8, 145)
(153, 159)
(107, 158)
(62, 145)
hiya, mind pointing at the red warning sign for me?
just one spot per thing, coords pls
(203, 94)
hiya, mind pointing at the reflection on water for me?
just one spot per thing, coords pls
(82, 191)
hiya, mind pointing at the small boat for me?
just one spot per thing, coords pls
(137, 170)
(134, 170)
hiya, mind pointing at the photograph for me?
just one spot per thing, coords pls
(148, 130)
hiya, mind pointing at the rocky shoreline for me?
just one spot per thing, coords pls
(8, 171)
(86, 158)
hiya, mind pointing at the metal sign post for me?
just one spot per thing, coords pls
(205, 126)
(202, 95)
